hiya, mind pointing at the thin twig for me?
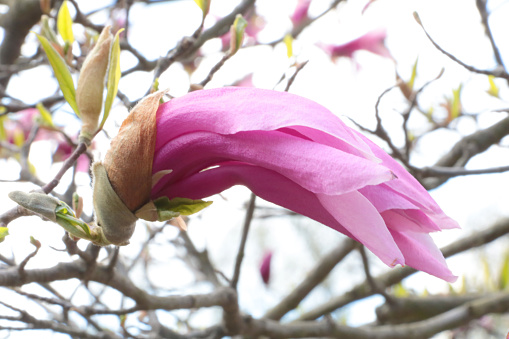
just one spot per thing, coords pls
(298, 68)
(369, 278)
(450, 172)
(499, 72)
(394, 276)
(313, 279)
(214, 69)
(245, 231)
(483, 11)
(68, 163)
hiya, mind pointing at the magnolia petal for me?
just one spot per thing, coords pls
(385, 198)
(265, 267)
(234, 109)
(422, 219)
(159, 175)
(265, 183)
(421, 253)
(361, 218)
(314, 166)
(295, 153)
(411, 189)
(397, 220)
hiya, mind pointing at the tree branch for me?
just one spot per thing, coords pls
(394, 276)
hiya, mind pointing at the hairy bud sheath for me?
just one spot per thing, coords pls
(127, 172)
(89, 92)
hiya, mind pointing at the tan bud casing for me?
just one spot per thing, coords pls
(112, 215)
(89, 92)
(123, 181)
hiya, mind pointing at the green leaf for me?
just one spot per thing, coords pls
(69, 223)
(503, 282)
(45, 115)
(77, 204)
(64, 23)
(204, 6)
(400, 291)
(168, 209)
(288, 40)
(429, 114)
(493, 90)
(3, 133)
(237, 33)
(4, 231)
(47, 31)
(62, 73)
(456, 103)
(488, 281)
(155, 86)
(113, 78)
(411, 82)
(18, 137)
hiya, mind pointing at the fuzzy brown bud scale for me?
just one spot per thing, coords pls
(129, 159)
(123, 181)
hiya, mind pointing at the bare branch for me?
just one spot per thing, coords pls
(499, 72)
(394, 276)
(314, 277)
(245, 231)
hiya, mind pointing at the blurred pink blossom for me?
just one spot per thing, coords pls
(22, 123)
(64, 151)
(373, 41)
(295, 153)
(265, 267)
(301, 12)
(246, 81)
(119, 19)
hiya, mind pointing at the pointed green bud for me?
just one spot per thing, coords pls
(40, 203)
(237, 34)
(89, 93)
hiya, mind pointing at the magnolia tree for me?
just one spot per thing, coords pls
(122, 214)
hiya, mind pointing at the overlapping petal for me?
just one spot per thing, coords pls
(295, 153)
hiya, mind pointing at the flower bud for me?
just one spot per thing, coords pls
(123, 181)
(265, 267)
(129, 159)
(115, 219)
(89, 93)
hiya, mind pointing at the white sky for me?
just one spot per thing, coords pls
(344, 88)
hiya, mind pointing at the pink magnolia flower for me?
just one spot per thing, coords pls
(21, 125)
(368, 4)
(373, 41)
(295, 153)
(301, 12)
(119, 19)
(246, 81)
(265, 267)
(64, 151)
